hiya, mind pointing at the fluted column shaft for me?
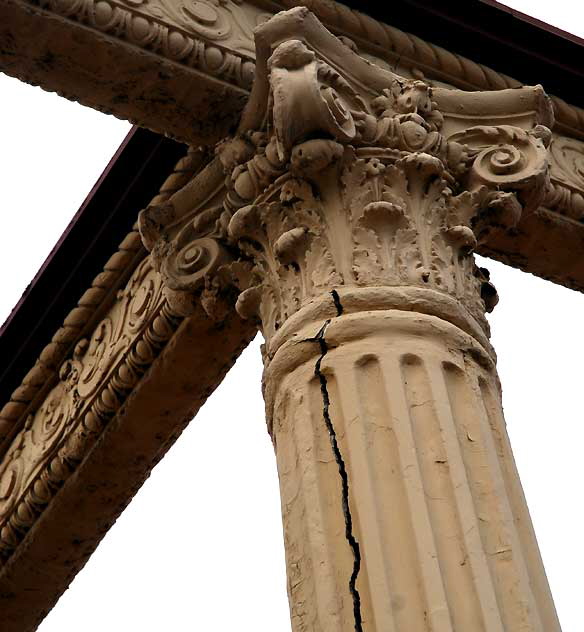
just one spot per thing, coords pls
(401, 503)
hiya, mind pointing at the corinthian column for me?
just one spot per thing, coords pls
(355, 199)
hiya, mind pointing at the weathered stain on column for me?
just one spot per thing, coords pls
(353, 202)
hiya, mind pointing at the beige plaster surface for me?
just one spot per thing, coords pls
(341, 217)
(355, 199)
(401, 502)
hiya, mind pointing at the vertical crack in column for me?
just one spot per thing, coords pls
(353, 543)
(337, 302)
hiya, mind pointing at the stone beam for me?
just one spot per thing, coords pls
(132, 58)
(108, 56)
(109, 395)
(356, 198)
(47, 540)
(186, 69)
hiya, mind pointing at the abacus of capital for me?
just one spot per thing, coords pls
(339, 217)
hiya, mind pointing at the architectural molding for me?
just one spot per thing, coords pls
(215, 38)
(66, 451)
(480, 157)
(91, 39)
(65, 400)
(566, 194)
(422, 57)
(342, 213)
(208, 44)
(81, 320)
(138, 410)
(44, 373)
(93, 384)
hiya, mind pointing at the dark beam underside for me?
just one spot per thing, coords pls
(546, 244)
(113, 76)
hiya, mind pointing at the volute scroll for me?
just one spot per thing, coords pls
(187, 238)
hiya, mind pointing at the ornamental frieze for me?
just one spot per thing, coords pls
(216, 36)
(230, 23)
(93, 383)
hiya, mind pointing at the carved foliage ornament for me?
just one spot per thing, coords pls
(92, 385)
(187, 237)
(566, 193)
(343, 174)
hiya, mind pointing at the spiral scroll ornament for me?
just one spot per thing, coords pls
(188, 266)
(189, 260)
(507, 158)
(500, 162)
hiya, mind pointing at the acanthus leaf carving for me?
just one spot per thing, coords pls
(345, 174)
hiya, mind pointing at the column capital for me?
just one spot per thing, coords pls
(345, 175)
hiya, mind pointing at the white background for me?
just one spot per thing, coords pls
(200, 547)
